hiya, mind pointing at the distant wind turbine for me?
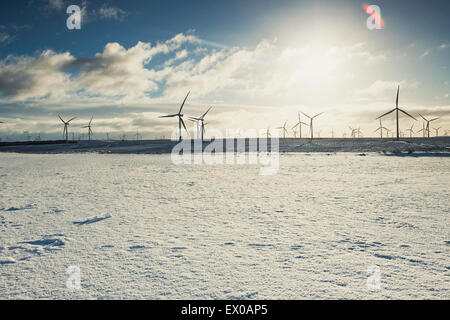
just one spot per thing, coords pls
(138, 136)
(283, 129)
(428, 124)
(311, 123)
(381, 129)
(201, 119)
(437, 131)
(359, 132)
(410, 131)
(397, 109)
(89, 128)
(299, 123)
(66, 125)
(353, 132)
(268, 134)
(180, 117)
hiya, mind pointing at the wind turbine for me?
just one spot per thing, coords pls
(359, 132)
(397, 109)
(354, 131)
(138, 136)
(428, 124)
(437, 131)
(283, 129)
(89, 128)
(201, 119)
(299, 123)
(311, 122)
(332, 133)
(66, 125)
(180, 117)
(410, 131)
(268, 134)
(381, 129)
(422, 130)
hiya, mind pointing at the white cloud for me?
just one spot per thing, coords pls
(56, 4)
(5, 37)
(426, 53)
(381, 88)
(260, 79)
(113, 13)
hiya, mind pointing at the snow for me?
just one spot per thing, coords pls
(140, 227)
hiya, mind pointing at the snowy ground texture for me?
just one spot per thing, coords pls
(140, 227)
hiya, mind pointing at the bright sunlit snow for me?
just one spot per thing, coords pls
(138, 226)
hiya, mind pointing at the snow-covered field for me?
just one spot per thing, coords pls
(138, 226)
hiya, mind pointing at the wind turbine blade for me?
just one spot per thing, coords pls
(306, 115)
(197, 119)
(423, 117)
(396, 100)
(407, 113)
(206, 112)
(91, 120)
(169, 116)
(295, 125)
(377, 129)
(305, 124)
(385, 114)
(61, 119)
(182, 122)
(85, 127)
(433, 119)
(71, 119)
(183, 103)
(317, 115)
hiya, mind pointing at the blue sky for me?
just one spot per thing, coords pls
(257, 62)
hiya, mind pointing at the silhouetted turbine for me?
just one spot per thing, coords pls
(311, 123)
(89, 128)
(180, 117)
(381, 129)
(410, 131)
(397, 109)
(66, 125)
(283, 129)
(428, 123)
(201, 119)
(437, 131)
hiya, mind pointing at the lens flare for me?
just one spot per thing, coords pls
(369, 9)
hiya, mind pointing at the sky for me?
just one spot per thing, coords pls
(256, 62)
